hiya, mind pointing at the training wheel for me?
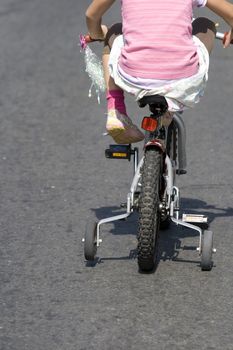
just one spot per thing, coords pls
(90, 243)
(207, 251)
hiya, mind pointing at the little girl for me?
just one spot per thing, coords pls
(156, 50)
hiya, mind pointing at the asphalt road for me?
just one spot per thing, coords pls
(53, 176)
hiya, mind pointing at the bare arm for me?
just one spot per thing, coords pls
(224, 9)
(94, 15)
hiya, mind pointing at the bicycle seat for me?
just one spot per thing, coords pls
(157, 103)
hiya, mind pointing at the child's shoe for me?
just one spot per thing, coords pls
(121, 128)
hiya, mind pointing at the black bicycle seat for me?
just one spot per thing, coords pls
(157, 103)
(153, 99)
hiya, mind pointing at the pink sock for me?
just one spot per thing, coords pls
(115, 100)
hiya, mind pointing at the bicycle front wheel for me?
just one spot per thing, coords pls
(148, 229)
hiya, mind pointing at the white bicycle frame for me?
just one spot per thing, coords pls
(171, 191)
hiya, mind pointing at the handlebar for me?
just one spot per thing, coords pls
(222, 36)
(86, 39)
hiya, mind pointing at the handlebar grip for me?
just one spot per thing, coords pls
(224, 38)
(88, 39)
(84, 40)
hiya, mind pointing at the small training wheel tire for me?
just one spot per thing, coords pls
(207, 251)
(90, 243)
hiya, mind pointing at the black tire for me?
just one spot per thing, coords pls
(171, 149)
(90, 243)
(148, 230)
(172, 139)
(207, 251)
(171, 146)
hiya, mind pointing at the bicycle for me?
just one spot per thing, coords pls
(153, 192)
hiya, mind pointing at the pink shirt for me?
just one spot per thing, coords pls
(158, 39)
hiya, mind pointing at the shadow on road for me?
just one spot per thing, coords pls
(170, 241)
(119, 227)
(197, 206)
(132, 255)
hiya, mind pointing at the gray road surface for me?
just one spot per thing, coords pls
(53, 176)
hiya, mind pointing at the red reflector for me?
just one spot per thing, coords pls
(149, 124)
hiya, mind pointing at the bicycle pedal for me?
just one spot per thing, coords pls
(119, 152)
(195, 218)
